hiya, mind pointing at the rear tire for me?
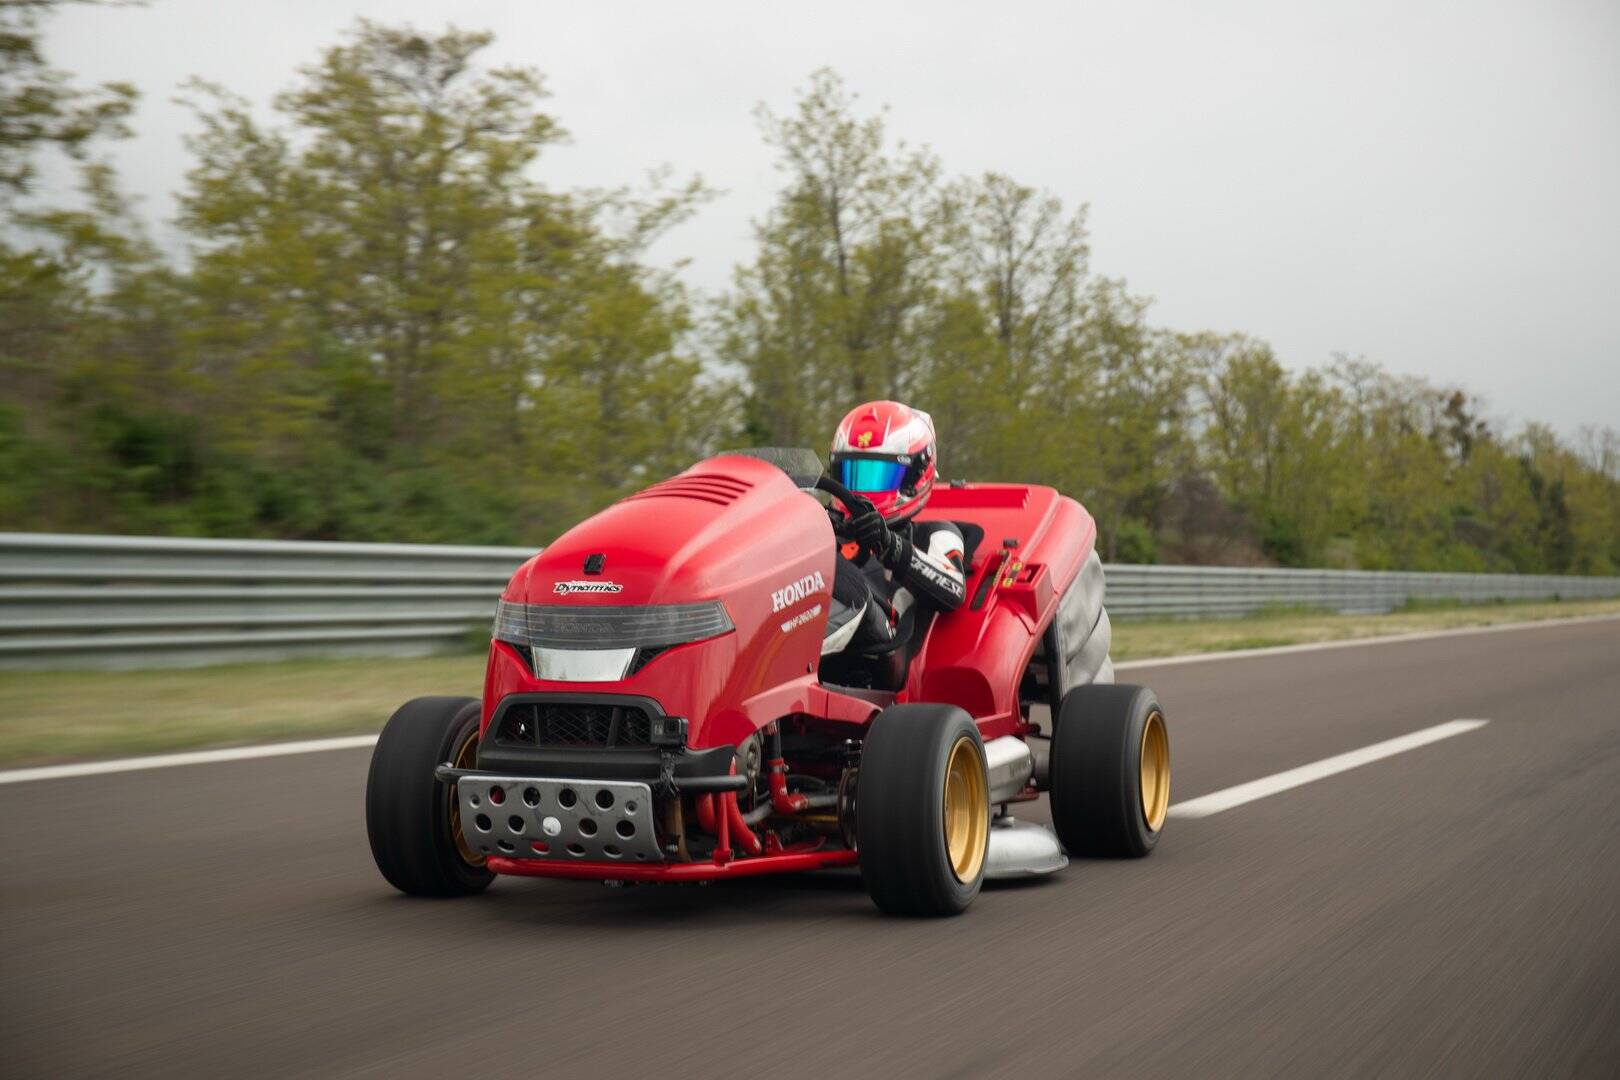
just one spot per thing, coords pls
(411, 816)
(1110, 771)
(922, 810)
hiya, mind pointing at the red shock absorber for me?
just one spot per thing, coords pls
(783, 801)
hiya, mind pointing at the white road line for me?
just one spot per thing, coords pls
(195, 757)
(1351, 643)
(1226, 799)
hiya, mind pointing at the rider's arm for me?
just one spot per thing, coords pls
(932, 566)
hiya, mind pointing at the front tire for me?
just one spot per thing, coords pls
(412, 818)
(1110, 771)
(922, 810)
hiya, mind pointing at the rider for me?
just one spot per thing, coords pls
(885, 451)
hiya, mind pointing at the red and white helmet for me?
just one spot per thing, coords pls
(885, 451)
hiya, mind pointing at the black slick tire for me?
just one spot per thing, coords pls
(1105, 803)
(922, 810)
(409, 813)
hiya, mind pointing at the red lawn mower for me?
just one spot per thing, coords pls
(657, 708)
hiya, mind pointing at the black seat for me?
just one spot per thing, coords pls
(972, 537)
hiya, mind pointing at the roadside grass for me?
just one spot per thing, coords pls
(52, 716)
(1172, 637)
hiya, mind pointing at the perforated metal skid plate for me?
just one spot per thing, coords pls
(559, 820)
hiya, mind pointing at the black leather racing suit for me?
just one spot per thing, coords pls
(871, 598)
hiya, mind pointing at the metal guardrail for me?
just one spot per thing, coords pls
(1139, 592)
(109, 601)
(126, 602)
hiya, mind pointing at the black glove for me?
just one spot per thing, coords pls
(872, 533)
(897, 553)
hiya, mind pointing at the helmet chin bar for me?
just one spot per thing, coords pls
(913, 501)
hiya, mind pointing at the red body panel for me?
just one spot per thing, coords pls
(733, 529)
(737, 530)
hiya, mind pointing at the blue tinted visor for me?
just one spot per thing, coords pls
(871, 475)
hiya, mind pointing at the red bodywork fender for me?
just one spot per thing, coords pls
(975, 656)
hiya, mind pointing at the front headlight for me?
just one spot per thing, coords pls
(605, 643)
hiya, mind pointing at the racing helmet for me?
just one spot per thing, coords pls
(886, 451)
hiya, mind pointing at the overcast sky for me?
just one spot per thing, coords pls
(1433, 186)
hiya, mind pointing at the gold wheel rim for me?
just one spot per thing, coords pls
(465, 758)
(1155, 764)
(967, 810)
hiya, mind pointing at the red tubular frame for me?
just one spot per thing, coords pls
(722, 850)
(739, 827)
(692, 871)
(783, 801)
(726, 826)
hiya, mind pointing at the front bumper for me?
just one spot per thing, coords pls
(506, 814)
(564, 820)
(536, 830)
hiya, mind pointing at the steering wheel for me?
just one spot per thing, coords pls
(855, 504)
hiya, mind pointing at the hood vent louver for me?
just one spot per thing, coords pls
(717, 490)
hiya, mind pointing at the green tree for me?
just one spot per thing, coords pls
(1122, 433)
(387, 327)
(39, 105)
(836, 306)
(404, 331)
(1016, 278)
(80, 290)
(1278, 447)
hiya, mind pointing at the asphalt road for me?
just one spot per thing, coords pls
(1453, 910)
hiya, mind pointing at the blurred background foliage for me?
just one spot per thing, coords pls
(384, 326)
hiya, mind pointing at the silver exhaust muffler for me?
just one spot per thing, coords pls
(1009, 764)
(1017, 848)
